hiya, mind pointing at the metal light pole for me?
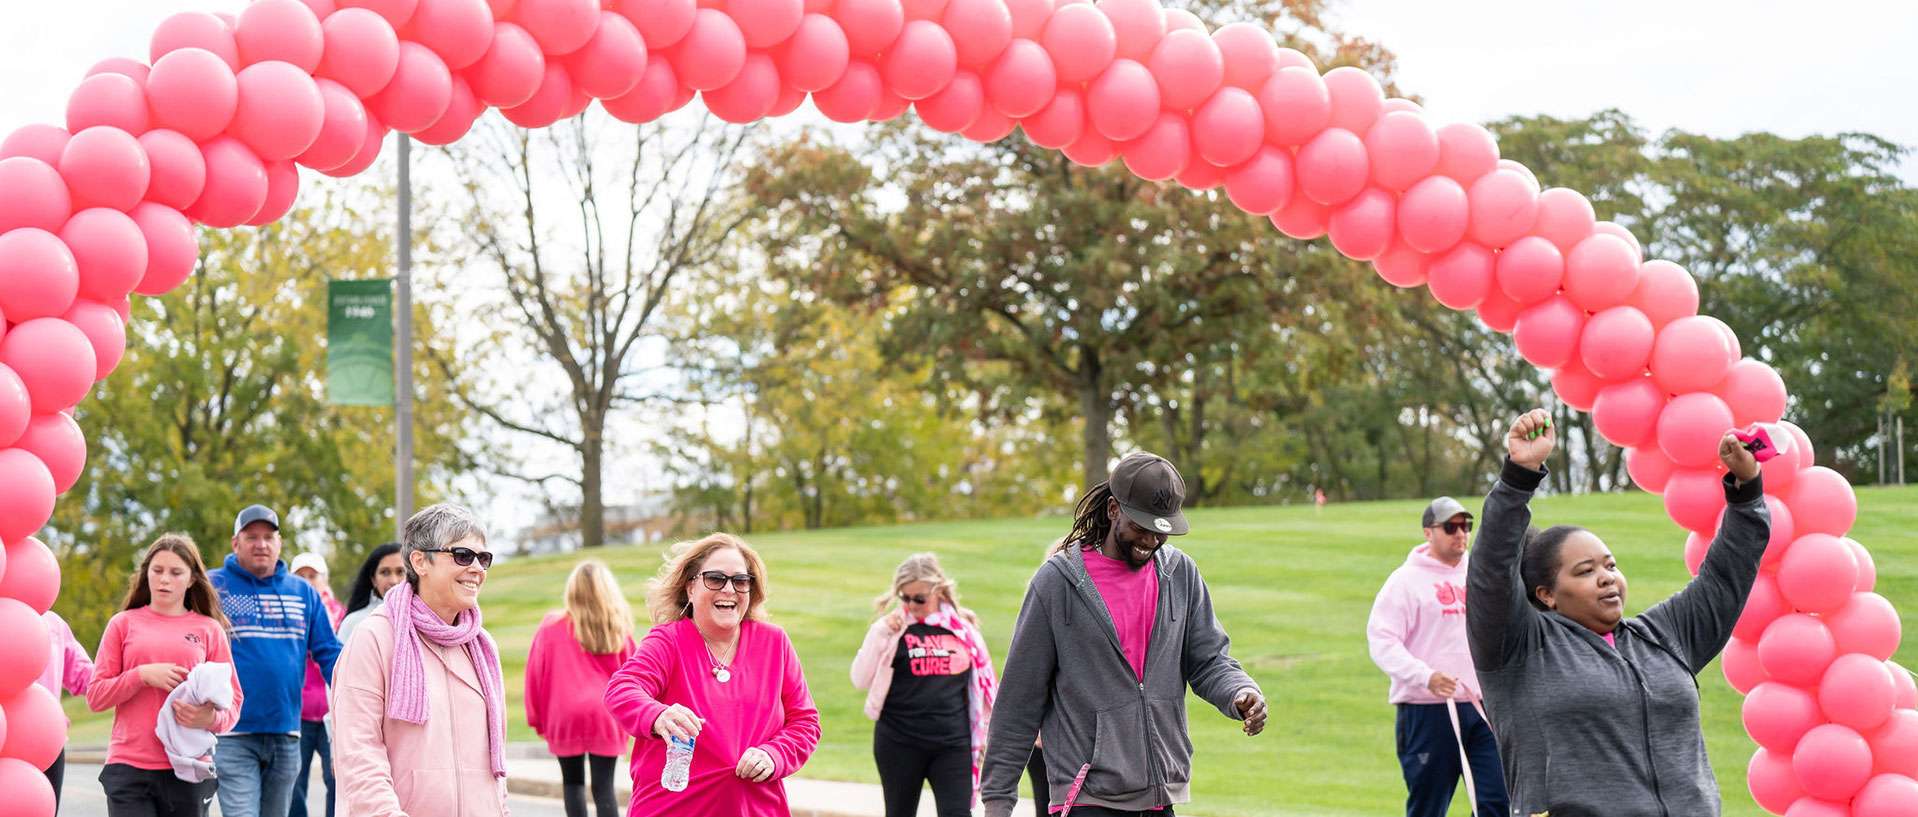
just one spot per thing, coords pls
(403, 373)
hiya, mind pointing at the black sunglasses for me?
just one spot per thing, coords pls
(1455, 527)
(715, 580)
(919, 599)
(465, 556)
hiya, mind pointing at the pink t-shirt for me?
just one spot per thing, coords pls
(142, 636)
(764, 704)
(566, 691)
(1132, 596)
(1612, 641)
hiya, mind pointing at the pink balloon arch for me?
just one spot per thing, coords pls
(211, 131)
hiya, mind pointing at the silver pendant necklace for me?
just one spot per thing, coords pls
(721, 672)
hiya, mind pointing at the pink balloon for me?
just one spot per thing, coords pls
(396, 13)
(36, 195)
(1136, 24)
(1565, 217)
(1333, 167)
(342, 128)
(1081, 40)
(712, 53)
(1887, 795)
(108, 334)
(1163, 151)
(1403, 149)
(1547, 333)
(1754, 391)
(176, 168)
(172, 248)
(1303, 219)
(1498, 312)
(108, 251)
(1781, 472)
(194, 92)
(511, 70)
(853, 96)
(1060, 123)
(549, 103)
(29, 794)
(981, 28)
(1617, 343)
(1357, 99)
(25, 507)
(1814, 807)
(1434, 214)
(236, 184)
(1777, 715)
(1832, 762)
(420, 93)
(16, 410)
(661, 23)
(1817, 573)
(921, 61)
(1504, 206)
(1867, 624)
(1467, 152)
(1693, 354)
(461, 113)
(33, 576)
(1530, 270)
(1762, 607)
(1401, 266)
(1201, 175)
(1796, 648)
(766, 23)
(1188, 68)
(750, 95)
(816, 56)
(564, 26)
(1182, 20)
(105, 167)
(1029, 17)
(131, 68)
(1123, 103)
(362, 51)
(1690, 428)
(1362, 228)
(1250, 54)
(1091, 150)
(991, 126)
(1741, 666)
(1693, 498)
(1894, 746)
(923, 9)
(1263, 185)
(55, 361)
(1857, 692)
(655, 95)
(282, 187)
(1297, 105)
(890, 106)
(280, 112)
(194, 30)
(1601, 272)
(789, 100)
(108, 100)
(1617, 231)
(1772, 783)
(1783, 533)
(458, 31)
(1462, 277)
(1867, 568)
(1822, 502)
(282, 30)
(43, 142)
(957, 106)
(36, 727)
(1648, 467)
(1229, 128)
(1626, 414)
(612, 62)
(38, 275)
(1575, 386)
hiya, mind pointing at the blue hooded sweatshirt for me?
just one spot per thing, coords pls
(277, 622)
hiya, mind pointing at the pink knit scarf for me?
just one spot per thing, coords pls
(406, 679)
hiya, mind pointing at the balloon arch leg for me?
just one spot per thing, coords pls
(210, 133)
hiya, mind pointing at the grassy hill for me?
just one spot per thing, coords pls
(1292, 586)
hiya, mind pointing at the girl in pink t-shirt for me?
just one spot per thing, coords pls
(573, 655)
(170, 623)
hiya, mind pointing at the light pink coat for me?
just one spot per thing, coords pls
(872, 666)
(388, 768)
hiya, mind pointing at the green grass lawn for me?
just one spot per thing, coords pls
(1292, 586)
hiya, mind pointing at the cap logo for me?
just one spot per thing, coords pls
(1162, 500)
(1163, 525)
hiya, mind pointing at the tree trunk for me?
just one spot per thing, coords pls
(1095, 407)
(592, 502)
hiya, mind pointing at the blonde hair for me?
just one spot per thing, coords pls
(666, 595)
(602, 622)
(922, 567)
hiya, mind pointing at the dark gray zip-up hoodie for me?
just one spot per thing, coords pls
(1065, 676)
(1584, 728)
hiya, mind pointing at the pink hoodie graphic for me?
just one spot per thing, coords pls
(1418, 627)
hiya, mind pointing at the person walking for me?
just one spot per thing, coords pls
(573, 656)
(70, 669)
(310, 567)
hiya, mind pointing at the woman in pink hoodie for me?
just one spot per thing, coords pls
(170, 623)
(69, 668)
(573, 655)
(715, 672)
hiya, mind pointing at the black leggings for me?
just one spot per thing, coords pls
(56, 774)
(133, 792)
(904, 766)
(1036, 774)
(572, 778)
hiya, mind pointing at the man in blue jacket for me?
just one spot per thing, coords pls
(278, 620)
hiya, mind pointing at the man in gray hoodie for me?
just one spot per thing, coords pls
(1113, 628)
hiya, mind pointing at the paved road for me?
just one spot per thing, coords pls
(82, 797)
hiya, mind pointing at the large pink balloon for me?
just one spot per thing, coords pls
(1163, 151)
(1362, 228)
(1530, 270)
(1462, 277)
(1401, 266)
(36, 195)
(1867, 624)
(561, 26)
(1060, 123)
(1867, 567)
(1783, 532)
(766, 23)
(1403, 149)
(1796, 648)
(981, 28)
(655, 95)
(1565, 217)
(1617, 343)
(611, 63)
(38, 276)
(1626, 414)
(1777, 715)
(853, 96)
(1188, 68)
(420, 93)
(1305, 219)
(992, 126)
(1762, 607)
(510, 71)
(1434, 213)
(105, 167)
(194, 92)
(1333, 167)
(1498, 312)
(1894, 746)
(1693, 354)
(1832, 762)
(109, 100)
(1548, 332)
(199, 30)
(36, 727)
(1601, 272)
(1251, 55)
(1771, 781)
(1137, 25)
(1665, 292)
(172, 248)
(1694, 498)
(1357, 99)
(956, 106)
(283, 30)
(1887, 795)
(1080, 39)
(43, 142)
(1092, 150)
(29, 794)
(236, 184)
(661, 22)
(921, 61)
(1228, 128)
(25, 507)
(1857, 691)
(1817, 573)
(712, 53)
(1263, 184)
(1467, 151)
(750, 95)
(1814, 807)
(1504, 206)
(109, 253)
(281, 111)
(33, 573)
(1572, 382)
(1297, 105)
(1740, 663)
(362, 51)
(1648, 467)
(1754, 391)
(549, 104)
(177, 168)
(815, 57)
(1822, 502)
(459, 31)
(1123, 103)
(108, 334)
(283, 186)
(1690, 427)
(342, 128)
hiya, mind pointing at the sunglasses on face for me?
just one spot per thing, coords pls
(1455, 527)
(715, 580)
(914, 599)
(464, 557)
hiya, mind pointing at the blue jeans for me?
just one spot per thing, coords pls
(313, 741)
(1428, 755)
(256, 774)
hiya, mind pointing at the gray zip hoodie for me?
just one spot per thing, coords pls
(1586, 728)
(1066, 678)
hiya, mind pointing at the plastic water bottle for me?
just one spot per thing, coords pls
(679, 764)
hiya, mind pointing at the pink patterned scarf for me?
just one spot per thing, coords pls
(983, 689)
(406, 679)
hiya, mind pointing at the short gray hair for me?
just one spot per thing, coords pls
(436, 527)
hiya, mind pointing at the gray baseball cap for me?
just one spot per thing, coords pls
(1150, 492)
(1442, 509)
(255, 513)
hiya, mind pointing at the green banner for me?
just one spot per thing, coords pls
(359, 343)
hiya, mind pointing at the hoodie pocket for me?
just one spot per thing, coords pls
(1174, 747)
(1121, 765)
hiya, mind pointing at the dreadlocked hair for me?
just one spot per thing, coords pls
(1090, 524)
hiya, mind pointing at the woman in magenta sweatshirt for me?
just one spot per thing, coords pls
(170, 623)
(714, 670)
(573, 655)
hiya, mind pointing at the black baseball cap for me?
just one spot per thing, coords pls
(1150, 492)
(255, 513)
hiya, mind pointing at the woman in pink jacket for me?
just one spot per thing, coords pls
(419, 711)
(712, 670)
(69, 668)
(573, 655)
(929, 685)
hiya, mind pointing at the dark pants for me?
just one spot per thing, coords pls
(56, 774)
(572, 778)
(1036, 775)
(905, 765)
(1428, 754)
(312, 742)
(135, 792)
(1102, 811)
